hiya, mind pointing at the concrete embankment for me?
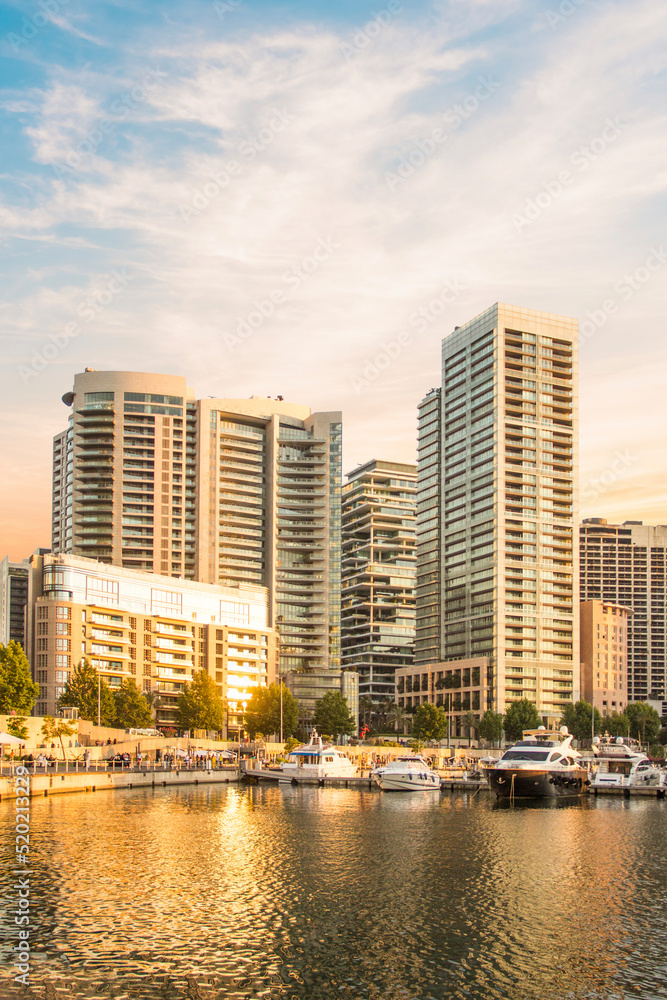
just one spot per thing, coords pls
(97, 781)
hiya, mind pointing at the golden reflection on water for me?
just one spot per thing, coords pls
(310, 893)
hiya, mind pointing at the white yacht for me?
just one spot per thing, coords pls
(622, 765)
(543, 764)
(407, 774)
(317, 759)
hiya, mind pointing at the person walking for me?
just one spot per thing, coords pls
(86, 758)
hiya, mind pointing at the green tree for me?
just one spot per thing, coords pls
(199, 705)
(429, 723)
(81, 692)
(262, 713)
(491, 727)
(520, 715)
(578, 720)
(398, 716)
(18, 692)
(644, 721)
(616, 724)
(332, 715)
(471, 722)
(132, 708)
(55, 729)
(16, 727)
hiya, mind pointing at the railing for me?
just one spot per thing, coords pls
(77, 765)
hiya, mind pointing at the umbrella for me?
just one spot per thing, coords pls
(180, 753)
(7, 738)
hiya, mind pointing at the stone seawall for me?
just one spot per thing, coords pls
(96, 781)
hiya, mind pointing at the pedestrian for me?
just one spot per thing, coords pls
(86, 758)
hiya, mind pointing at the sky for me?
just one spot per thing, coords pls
(302, 199)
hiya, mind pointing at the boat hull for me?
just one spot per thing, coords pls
(532, 783)
(410, 782)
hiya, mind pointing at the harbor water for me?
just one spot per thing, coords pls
(314, 894)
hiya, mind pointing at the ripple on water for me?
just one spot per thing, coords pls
(313, 894)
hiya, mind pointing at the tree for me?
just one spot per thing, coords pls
(616, 724)
(16, 727)
(263, 711)
(398, 715)
(199, 705)
(81, 691)
(491, 727)
(644, 721)
(471, 722)
(55, 729)
(18, 691)
(132, 708)
(578, 720)
(332, 715)
(365, 709)
(520, 715)
(429, 723)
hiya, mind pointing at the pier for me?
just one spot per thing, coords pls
(59, 783)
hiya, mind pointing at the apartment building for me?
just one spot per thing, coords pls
(154, 630)
(13, 599)
(498, 455)
(604, 651)
(222, 491)
(378, 574)
(625, 564)
(459, 687)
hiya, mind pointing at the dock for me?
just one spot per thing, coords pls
(45, 785)
(254, 775)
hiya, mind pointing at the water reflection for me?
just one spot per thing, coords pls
(310, 893)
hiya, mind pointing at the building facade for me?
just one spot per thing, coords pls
(625, 564)
(154, 630)
(222, 491)
(378, 574)
(459, 687)
(13, 600)
(604, 651)
(507, 478)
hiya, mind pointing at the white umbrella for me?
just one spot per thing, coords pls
(7, 738)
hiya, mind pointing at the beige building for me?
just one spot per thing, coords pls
(224, 491)
(604, 655)
(459, 687)
(497, 492)
(154, 630)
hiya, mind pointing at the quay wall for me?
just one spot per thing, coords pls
(43, 785)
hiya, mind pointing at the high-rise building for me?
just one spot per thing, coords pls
(604, 649)
(223, 491)
(625, 564)
(155, 630)
(379, 573)
(13, 599)
(505, 574)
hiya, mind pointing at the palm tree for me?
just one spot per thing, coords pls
(471, 721)
(365, 709)
(398, 715)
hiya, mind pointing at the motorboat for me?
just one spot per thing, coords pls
(406, 774)
(623, 765)
(543, 764)
(317, 759)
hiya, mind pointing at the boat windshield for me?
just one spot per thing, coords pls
(525, 755)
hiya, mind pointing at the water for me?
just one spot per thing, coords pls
(311, 894)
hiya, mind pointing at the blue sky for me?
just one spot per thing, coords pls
(265, 196)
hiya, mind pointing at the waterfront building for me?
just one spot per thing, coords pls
(378, 574)
(625, 564)
(497, 486)
(311, 686)
(151, 629)
(604, 650)
(223, 491)
(13, 599)
(460, 687)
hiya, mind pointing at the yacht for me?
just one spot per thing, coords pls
(543, 764)
(407, 774)
(317, 759)
(622, 765)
